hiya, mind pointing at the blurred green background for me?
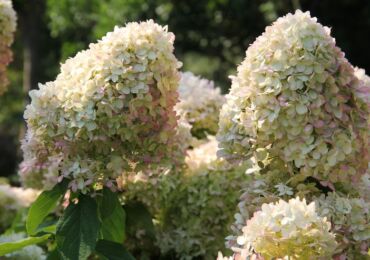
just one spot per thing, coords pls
(211, 39)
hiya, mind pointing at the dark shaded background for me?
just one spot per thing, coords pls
(211, 39)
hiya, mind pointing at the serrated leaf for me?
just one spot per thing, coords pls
(113, 251)
(77, 230)
(113, 217)
(9, 247)
(44, 204)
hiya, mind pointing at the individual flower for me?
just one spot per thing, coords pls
(109, 111)
(295, 95)
(32, 252)
(288, 229)
(200, 102)
(12, 200)
(8, 23)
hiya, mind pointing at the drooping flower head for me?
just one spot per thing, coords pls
(292, 229)
(294, 95)
(200, 103)
(110, 110)
(8, 21)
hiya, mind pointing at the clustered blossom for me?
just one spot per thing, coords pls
(287, 229)
(12, 199)
(200, 102)
(295, 90)
(8, 23)
(109, 111)
(31, 252)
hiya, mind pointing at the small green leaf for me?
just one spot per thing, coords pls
(47, 227)
(9, 247)
(44, 204)
(113, 251)
(77, 230)
(113, 217)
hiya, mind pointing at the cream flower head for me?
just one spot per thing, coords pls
(294, 94)
(291, 229)
(110, 110)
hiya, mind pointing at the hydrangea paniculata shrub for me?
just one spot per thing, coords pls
(110, 110)
(293, 95)
(8, 20)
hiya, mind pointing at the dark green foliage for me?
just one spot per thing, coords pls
(78, 229)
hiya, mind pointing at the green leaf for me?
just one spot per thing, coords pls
(77, 230)
(44, 204)
(113, 217)
(47, 227)
(138, 217)
(113, 251)
(9, 247)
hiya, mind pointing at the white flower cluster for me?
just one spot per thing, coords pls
(12, 199)
(8, 23)
(288, 229)
(110, 111)
(200, 102)
(32, 252)
(294, 96)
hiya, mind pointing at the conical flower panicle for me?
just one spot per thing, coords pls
(293, 95)
(110, 110)
(299, 111)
